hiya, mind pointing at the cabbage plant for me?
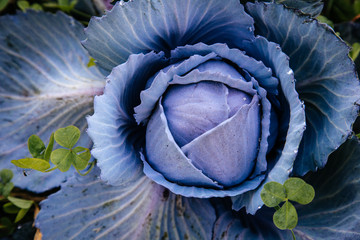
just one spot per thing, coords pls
(198, 104)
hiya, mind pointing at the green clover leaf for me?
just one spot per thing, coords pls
(10, 208)
(272, 194)
(299, 191)
(6, 175)
(67, 137)
(36, 146)
(24, 206)
(81, 157)
(62, 158)
(286, 217)
(6, 189)
(21, 214)
(49, 148)
(32, 163)
(21, 203)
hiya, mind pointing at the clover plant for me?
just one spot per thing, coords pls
(62, 158)
(294, 189)
(11, 205)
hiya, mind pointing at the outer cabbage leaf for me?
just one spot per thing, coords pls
(350, 32)
(117, 137)
(335, 211)
(333, 214)
(44, 85)
(231, 226)
(162, 25)
(310, 7)
(140, 210)
(325, 79)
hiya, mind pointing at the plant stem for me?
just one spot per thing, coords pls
(92, 164)
(293, 235)
(51, 169)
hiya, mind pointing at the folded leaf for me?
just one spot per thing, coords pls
(20, 203)
(32, 163)
(36, 146)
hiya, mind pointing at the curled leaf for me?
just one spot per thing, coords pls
(81, 157)
(36, 146)
(49, 148)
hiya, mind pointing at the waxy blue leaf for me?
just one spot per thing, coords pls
(162, 25)
(310, 7)
(140, 210)
(44, 85)
(325, 79)
(333, 214)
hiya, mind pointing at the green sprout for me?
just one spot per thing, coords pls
(12, 205)
(25, 5)
(62, 158)
(294, 189)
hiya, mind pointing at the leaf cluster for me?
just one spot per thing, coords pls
(294, 189)
(12, 205)
(62, 158)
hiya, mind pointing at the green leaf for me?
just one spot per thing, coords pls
(62, 158)
(7, 188)
(91, 62)
(272, 194)
(6, 223)
(68, 136)
(299, 191)
(357, 6)
(63, 2)
(49, 148)
(33, 163)
(36, 146)
(21, 214)
(36, 7)
(23, 5)
(73, 3)
(10, 208)
(21, 203)
(324, 19)
(354, 53)
(6, 175)
(3, 4)
(286, 217)
(81, 157)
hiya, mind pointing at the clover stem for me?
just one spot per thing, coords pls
(293, 235)
(51, 169)
(92, 164)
